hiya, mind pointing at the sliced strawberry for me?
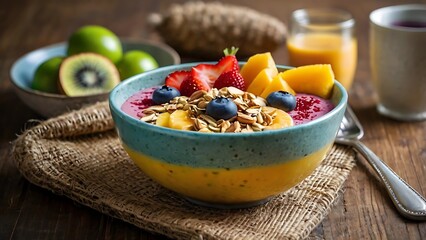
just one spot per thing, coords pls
(206, 73)
(176, 78)
(191, 85)
(209, 73)
(230, 79)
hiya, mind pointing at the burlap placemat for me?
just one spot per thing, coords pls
(79, 155)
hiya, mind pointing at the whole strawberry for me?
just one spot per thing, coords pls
(230, 57)
(191, 85)
(230, 79)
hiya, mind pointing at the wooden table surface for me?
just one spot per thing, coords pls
(28, 212)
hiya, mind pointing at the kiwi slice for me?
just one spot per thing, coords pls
(87, 73)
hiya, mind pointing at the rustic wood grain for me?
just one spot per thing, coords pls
(28, 212)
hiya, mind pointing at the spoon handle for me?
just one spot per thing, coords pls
(407, 200)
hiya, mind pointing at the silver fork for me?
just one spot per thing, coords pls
(407, 200)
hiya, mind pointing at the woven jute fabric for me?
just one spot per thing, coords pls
(79, 155)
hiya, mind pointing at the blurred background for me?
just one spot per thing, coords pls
(41, 23)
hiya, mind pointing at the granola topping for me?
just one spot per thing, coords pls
(253, 114)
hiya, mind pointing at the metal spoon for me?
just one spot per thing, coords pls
(407, 200)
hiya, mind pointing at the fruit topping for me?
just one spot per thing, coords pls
(204, 76)
(163, 120)
(255, 64)
(176, 78)
(230, 57)
(180, 119)
(281, 119)
(208, 73)
(217, 110)
(164, 94)
(261, 81)
(230, 79)
(277, 84)
(282, 100)
(87, 73)
(221, 108)
(191, 85)
(315, 79)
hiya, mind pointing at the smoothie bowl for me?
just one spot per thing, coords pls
(220, 168)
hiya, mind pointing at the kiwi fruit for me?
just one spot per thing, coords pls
(86, 74)
(46, 76)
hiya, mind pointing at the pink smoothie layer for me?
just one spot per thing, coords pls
(137, 102)
(308, 107)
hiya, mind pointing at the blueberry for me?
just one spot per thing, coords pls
(282, 100)
(164, 94)
(221, 108)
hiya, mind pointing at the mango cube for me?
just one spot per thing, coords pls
(255, 64)
(277, 84)
(317, 79)
(263, 79)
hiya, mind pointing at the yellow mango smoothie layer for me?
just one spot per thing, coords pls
(232, 186)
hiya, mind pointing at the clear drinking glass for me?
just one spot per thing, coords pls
(324, 36)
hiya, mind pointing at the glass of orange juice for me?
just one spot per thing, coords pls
(324, 36)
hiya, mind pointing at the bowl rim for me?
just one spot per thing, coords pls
(164, 130)
(13, 72)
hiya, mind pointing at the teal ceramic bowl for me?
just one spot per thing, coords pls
(47, 104)
(225, 170)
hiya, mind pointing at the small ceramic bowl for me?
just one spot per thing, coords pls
(224, 170)
(48, 104)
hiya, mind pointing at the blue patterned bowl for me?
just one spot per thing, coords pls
(225, 170)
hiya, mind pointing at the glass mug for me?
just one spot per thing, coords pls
(324, 36)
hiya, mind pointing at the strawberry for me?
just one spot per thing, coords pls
(230, 79)
(209, 73)
(191, 85)
(203, 76)
(176, 78)
(230, 56)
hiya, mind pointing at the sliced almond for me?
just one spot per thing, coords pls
(213, 128)
(149, 118)
(157, 108)
(244, 118)
(197, 95)
(235, 91)
(200, 124)
(211, 121)
(224, 126)
(202, 104)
